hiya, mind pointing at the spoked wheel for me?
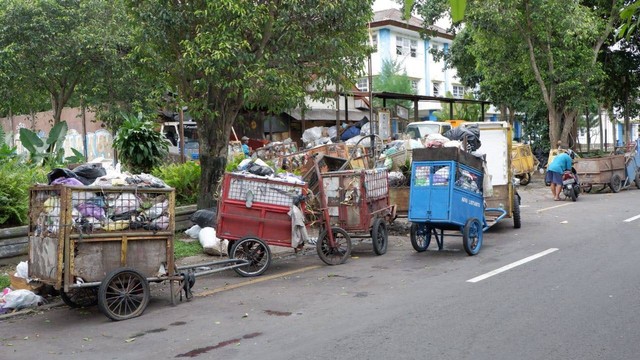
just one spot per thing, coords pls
(80, 297)
(253, 250)
(123, 294)
(525, 179)
(340, 252)
(420, 236)
(616, 183)
(379, 236)
(472, 236)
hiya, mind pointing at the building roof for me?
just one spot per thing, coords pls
(393, 17)
(326, 114)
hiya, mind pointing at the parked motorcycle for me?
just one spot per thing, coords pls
(570, 184)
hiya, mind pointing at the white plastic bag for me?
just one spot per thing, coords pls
(22, 270)
(193, 231)
(210, 242)
(20, 299)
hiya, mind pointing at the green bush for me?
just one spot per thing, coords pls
(5, 282)
(16, 178)
(140, 147)
(185, 178)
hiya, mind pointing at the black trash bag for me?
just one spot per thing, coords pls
(205, 218)
(362, 122)
(472, 134)
(256, 169)
(88, 173)
(61, 173)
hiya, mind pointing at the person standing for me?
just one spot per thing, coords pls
(245, 146)
(555, 169)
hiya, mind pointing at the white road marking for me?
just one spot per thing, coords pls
(632, 218)
(553, 207)
(511, 266)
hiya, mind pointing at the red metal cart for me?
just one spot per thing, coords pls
(255, 212)
(358, 202)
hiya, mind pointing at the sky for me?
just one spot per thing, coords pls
(385, 4)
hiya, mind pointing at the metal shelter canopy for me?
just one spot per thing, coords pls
(417, 98)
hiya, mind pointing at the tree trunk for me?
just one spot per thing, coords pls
(555, 119)
(568, 127)
(214, 131)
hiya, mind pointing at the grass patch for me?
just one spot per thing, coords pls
(183, 249)
(5, 282)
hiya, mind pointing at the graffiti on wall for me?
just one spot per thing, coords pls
(98, 143)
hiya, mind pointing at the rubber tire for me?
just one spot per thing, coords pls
(112, 290)
(420, 237)
(472, 231)
(515, 212)
(80, 297)
(525, 179)
(254, 250)
(616, 183)
(637, 179)
(379, 237)
(334, 256)
(573, 194)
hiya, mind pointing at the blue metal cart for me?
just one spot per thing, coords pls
(446, 194)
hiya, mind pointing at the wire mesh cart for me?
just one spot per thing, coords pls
(446, 193)
(358, 203)
(256, 212)
(102, 245)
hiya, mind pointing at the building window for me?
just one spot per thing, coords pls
(436, 89)
(374, 42)
(406, 46)
(414, 85)
(458, 91)
(363, 84)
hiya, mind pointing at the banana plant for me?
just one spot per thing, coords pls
(51, 150)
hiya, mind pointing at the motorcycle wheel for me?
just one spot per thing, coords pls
(572, 194)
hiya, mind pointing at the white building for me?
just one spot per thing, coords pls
(399, 40)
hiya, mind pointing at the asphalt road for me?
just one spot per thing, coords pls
(564, 286)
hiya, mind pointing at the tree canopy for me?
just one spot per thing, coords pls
(545, 49)
(227, 55)
(50, 48)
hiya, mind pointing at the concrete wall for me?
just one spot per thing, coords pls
(83, 129)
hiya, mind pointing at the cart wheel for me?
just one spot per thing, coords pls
(80, 297)
(420, 236)
(229, 246)
(123, 294)
(616, 183)
(525, 179)
(472, 236)
(515, 212)
(340, 252)
(379, 236)
(255, 251)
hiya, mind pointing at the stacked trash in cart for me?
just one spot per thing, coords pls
(465, 140)
(101, 200)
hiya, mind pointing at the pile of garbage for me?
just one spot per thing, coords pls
(351, 134)
(108, 211)
(22, 293)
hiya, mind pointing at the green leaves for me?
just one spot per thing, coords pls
(53, 151)
(139, 145)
